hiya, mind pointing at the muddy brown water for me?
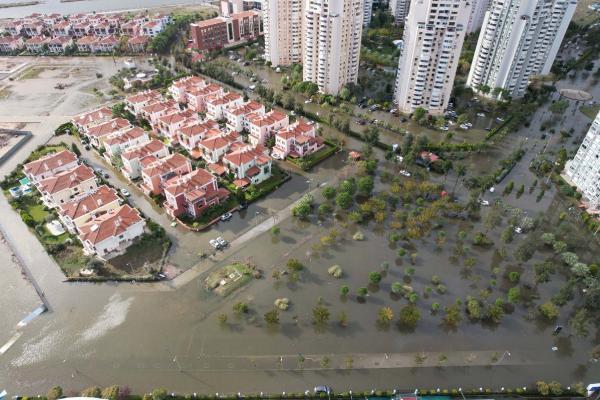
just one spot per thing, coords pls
(147, 336)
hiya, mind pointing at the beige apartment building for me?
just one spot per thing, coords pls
(332, 36)
(282, 21)
(433, 38)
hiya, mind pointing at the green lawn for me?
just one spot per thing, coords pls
(308, 162)
(255, 192)
(71, 259)
(590, 111)
(149, 250)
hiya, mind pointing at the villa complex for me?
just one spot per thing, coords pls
(89, 33)
(94, 213)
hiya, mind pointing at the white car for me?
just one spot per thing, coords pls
(518, 229)
(214, 243)
(492, 189)
(500, 119)
(484, 202)
(404, 173)
(482, 115)
(444, 128)
(222, 242)
(470, 125)
(307, 101)
(464, 126)
(125, 192)
(226, 217)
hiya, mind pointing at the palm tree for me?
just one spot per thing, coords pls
(461, 171)
(385, 315)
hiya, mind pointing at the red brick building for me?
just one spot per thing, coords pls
(220, 32)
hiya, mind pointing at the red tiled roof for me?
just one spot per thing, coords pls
(296, 130)
(111, 224)
(198, 128)
(108, 127)
(269, 118)
(189, 182)
(224, 99)
(247, 108)
(67, 179)
(165, 165)
(240, 183)
(242, 157)
(217, 168)
(88, 204)
(143, 96)
(209, 22)
(93, 116)
(126, 136)
(49, 162)
(138, 40)
(160, 106)
(86, 40)
(143, 150)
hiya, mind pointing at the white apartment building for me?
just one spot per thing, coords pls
(433, 38)
(367, 12)
(518, 39)
(332, 36)
(478, 9)
(282, 21)
(584, 169)
(399, 9)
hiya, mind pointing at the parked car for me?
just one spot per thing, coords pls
(464, 126)
(499, 119)
(226, 217)
(360, 122)
(125, 192)
(307, 101)
(518, 229)
(214, 243)
(322, 389)
(222, 242)
(404, 173)
(484, 202)
(482, 115)
(444, 128)
(393, 111)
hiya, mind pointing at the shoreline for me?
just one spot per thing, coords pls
(155, 8)
(21, 4)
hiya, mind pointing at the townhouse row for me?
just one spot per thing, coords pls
(231, 135)
(104, 225)
(150, 163)
(87, 32)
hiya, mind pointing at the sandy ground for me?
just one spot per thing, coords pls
(30, 99)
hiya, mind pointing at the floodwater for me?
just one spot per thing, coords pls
(86, 6)
(158, 335)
